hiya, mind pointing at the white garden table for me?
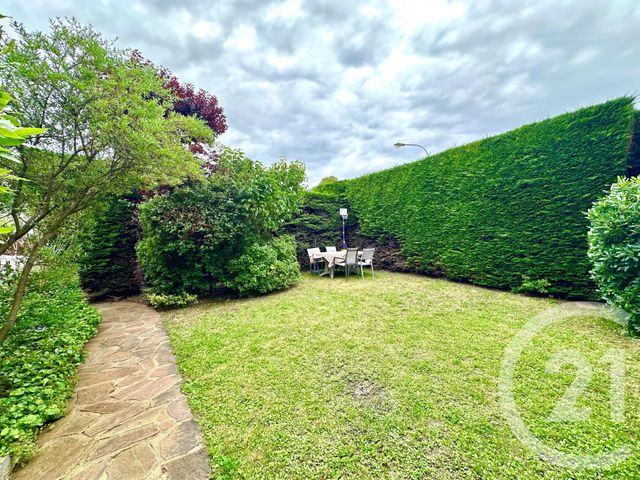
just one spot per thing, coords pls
(330, 260)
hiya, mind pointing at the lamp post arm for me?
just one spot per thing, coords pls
(417, 145)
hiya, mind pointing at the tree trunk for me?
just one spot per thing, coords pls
(18, 295)
(21, 289)
(28, 266)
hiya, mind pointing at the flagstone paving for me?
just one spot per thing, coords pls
(128, 418)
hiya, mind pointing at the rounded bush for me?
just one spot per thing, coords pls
(614, 247)
(265, 268)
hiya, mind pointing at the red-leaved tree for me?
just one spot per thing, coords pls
(190, 101)
(197, 103)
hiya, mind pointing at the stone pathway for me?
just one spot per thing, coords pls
(128, 418)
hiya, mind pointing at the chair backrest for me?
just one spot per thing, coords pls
(367, 254)
(331, 249)
(311, 251)
(352, 256)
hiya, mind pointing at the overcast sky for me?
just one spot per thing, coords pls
(336, 83)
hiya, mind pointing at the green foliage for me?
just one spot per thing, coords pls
(528, 285)
(190, 234)
(163, 301)
(509, 206)
(265, 268)
(11, 135)
(107, 126)
(108, 260)
(108, 131)
(38, 360)
(327, 181)
(614, 247)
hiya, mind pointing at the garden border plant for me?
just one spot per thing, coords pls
(38, 361)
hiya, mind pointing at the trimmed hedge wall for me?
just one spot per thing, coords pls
(505, 210)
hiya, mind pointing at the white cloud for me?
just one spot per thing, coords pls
(336, 83)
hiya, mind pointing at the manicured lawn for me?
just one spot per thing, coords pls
(392, 377)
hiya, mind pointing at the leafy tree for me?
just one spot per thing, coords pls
(327, 181)
(109, 265)
(188, 100)
(107, 132)
(195, 103)
(614, 248)
(11, 135)
(190, 235)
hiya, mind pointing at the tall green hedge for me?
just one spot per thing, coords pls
(507, 208)
(108, 263)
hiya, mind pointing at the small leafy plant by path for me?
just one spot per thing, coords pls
(394, 377)
(39, 359)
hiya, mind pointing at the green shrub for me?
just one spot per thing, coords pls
(38, 360)
(265, 268)
(190, 234)
(614, 247)
(108, 261)
(505, 207)
(163, 301)
(540, 285)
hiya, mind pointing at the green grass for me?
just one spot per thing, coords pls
(392, 377)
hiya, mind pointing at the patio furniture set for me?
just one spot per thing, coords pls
(350, 259)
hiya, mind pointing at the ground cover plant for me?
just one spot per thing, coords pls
(504, 210)
(38, 361)
(392, 377)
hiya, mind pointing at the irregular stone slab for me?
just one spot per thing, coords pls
(128, 418)
(194, 465)
(125, 466)
(180, 440)
(58, 457)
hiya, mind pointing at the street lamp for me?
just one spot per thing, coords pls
(398, 145)
(343, 214)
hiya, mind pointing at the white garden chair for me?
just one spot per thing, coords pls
(331, 249)
(366, 260)
(315, 264)
(349, 262)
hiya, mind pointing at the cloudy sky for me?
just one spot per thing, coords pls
(336, 83)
